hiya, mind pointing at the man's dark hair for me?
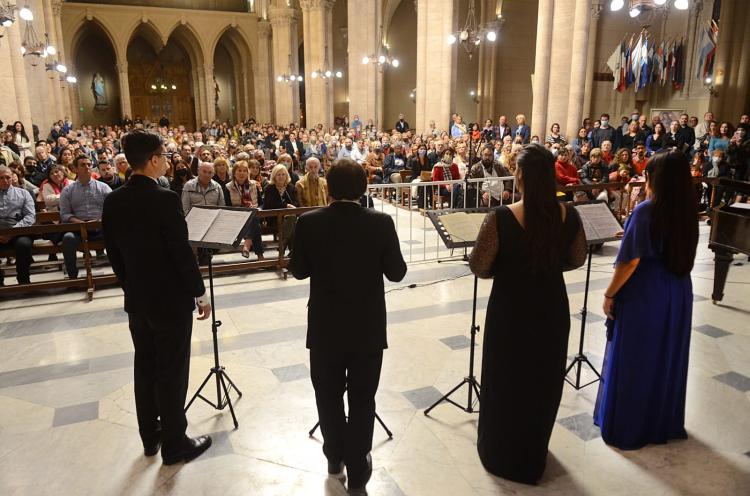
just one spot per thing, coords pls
(139, 146)
(604, 115)
(346, 180)
(79, 158)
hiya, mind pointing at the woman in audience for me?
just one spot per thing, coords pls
(66, 161)
(476, 133)
(19, 172)
(181, 174)
(458, 128)
(633, 136)
(50, 189)
(532, 247)
(260, 181)
(243, 192)
(554, 136)
(702, 142)
(595, 172)
(673, 138)
(579, 140)
(641, 396)
(446, 170)
(721, 141)
(22, 139)
(222, 176)
(656, 140)
(280, 194)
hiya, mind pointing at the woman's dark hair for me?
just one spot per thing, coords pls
(139, 146)
(730, 129)
(346, 180)
(663, 128)
(23, 130)
(674, 218)
(541, 210)
(448, 149)
(553, 126)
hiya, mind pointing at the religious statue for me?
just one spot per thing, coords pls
(216, 94)
(97, 87)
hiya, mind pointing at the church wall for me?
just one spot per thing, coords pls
(398, 82)
(467, 73)
(96, 56)
(613, 26)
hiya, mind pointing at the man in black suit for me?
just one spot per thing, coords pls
(346, 250)
(147, 244)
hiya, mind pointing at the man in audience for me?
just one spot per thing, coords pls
(605, 132)
(346, 334)
(202, 189)
(16, 210)
(702, 128)
(81, 201)
(312, 190)
(374, 164)
(395, 162)
(502, 129)
(108, 176)
(347, 149)
(401, 125)
(147, 244)
(493, 192)
(687, 133)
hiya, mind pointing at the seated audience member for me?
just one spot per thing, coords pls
(579, 140)
(122, 167)
(674, 138)
(81, 201)
(607, 153)
(44, 161)
(595, 171)
(554, 135)
(566, 173)
(312, 190)
(721, 141)
(447, 170)
(181, 174)
(16, 210)
(243, 192)
(51, 188)
(394, 162)
(287, 161)
(633, 136)
(640, 159)
(109, 176)
(280, 193)
(20, 181)
(222, 175)
(202, 190)
(493, 192)
(260, 180)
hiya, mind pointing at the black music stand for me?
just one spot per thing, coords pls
(377, 417)
(237, 229)
(452, 241)
(600, 226)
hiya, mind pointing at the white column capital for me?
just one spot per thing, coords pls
(280, 16)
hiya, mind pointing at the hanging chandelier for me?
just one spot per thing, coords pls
(326, 72)
(383, 58)
(289, 77)
(472, 34)
(649, 7)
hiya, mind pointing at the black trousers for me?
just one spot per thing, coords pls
(162, 365)
(348, 440)
(22, 247)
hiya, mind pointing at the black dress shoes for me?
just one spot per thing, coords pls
(358, 487)
(191, 449)
(151, 449)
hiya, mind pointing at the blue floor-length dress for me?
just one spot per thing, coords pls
(641, 396)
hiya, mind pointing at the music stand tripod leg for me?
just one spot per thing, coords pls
(377, 417)
(581, 357)
(471, 380)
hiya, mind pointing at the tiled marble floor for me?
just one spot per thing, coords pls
(67, 423)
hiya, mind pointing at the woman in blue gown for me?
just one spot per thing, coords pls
(649, 307)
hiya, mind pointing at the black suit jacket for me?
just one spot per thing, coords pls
(346, 250)
(147, 244)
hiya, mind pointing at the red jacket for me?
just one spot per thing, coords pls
(566, 173)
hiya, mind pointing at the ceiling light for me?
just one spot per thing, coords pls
(395, 63)
(681, 4)
(61, 68)
(339, 74)
(660, 2)
(365, 59)
(328, 73)
(491, 35)
(381, 59)
(451, 39)
(314, 74)
(616, 5)
(71, 79)
(51, 50)
(26, 14)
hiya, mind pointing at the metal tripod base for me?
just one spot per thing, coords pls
(221, 385)
(469, 408)
(377, 417)
(578, 362)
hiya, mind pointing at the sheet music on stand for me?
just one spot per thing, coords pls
(218, 227)
(458, 228)
(599, 223)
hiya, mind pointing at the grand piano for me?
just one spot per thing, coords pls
(730, 234)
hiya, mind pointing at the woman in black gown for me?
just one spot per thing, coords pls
(525, 246)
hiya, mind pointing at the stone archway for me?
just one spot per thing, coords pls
(233, 70)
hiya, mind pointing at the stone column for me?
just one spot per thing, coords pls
(196, 97)
(75, 99)
(540, 85)
(125, 105)
(692, 41)
(720, 102)
(560, 65)
(19, 77)
(576, 94)
(742, 81)
(435, 88)
(56, 14)
(588, 91)
(365, 80)
(487, 70)
(316, 22)
(263, 77)
(285, 59)
(54, 76)
(200, 75)
(210, 93)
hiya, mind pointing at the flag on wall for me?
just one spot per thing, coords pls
(707, 51)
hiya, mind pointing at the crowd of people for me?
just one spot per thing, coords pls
(252, 164)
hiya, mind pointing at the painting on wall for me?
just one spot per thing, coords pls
(667, 115)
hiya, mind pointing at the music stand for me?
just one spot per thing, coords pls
(600, 225)
(452, 240)
(224, 231)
